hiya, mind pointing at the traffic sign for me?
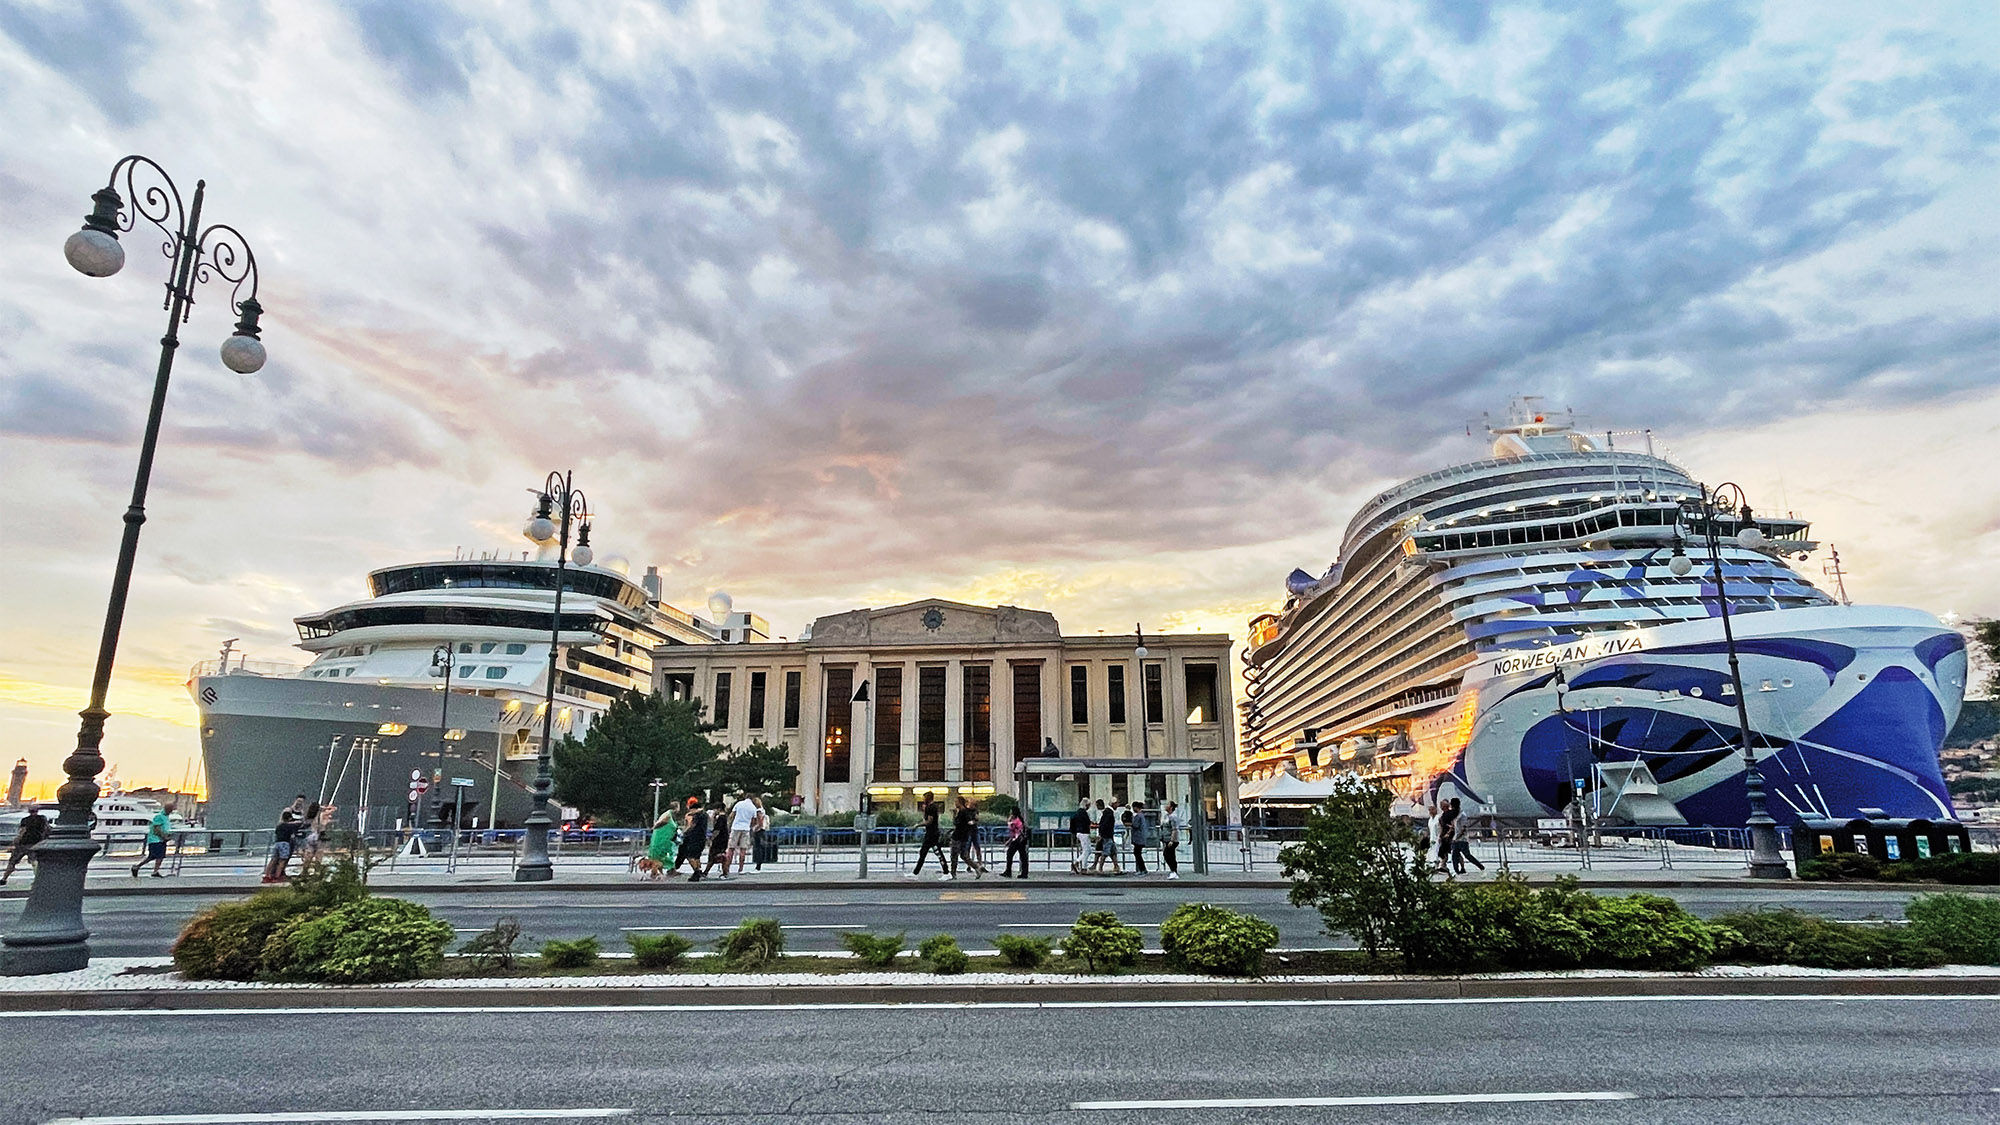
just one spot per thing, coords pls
(462, 782)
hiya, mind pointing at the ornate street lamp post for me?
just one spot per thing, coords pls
(558, 505)
(1140, 653)
(50, 936)
(443, 660)
(1766, 860)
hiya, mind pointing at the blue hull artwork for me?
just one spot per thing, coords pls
(1848, 707)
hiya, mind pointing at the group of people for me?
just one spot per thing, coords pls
(965, 849)
(702, 838)
(1094, 829)
(302, 825)
(1449, 842)
(34, 829)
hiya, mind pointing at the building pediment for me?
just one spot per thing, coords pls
(935, 621)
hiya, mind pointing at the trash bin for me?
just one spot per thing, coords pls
(1814, 838)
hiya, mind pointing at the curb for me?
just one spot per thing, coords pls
(626, 886)
(1194, 991)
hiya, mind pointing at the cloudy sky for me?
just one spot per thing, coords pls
(1116, 310)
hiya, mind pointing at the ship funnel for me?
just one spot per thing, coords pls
(652, 582)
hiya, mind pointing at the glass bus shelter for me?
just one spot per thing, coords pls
(1049, 790)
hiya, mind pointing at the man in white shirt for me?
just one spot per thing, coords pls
(742, 826)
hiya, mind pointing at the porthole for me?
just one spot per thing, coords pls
(1696, 692)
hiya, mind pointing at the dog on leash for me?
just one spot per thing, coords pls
(649, 867)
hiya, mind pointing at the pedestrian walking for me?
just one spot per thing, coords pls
(33, 829)
(1079, 837)
(742, 833)
(694, 838)
(1107, 841)
(157, 832)
(1447, 832)
(933, 841)
(1017, 844)
(965, 839)
(660, 847)
(309, 834)
(1171, 823)
(1139, 830)
(281, 847)
(1461, 842)
(719, 831)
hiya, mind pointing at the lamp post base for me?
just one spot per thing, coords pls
(535, 866)
(1767, 860)
(534, 873)
(51, 936)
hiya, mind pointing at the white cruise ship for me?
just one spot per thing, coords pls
(366, 713)
(1511, 632)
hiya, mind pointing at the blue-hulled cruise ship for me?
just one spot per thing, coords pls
(1512, 632)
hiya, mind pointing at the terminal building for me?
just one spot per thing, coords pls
(939, 698)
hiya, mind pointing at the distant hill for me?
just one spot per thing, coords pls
(1979, 719)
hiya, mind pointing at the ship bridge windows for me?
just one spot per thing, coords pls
(518, 576)
(490, 617)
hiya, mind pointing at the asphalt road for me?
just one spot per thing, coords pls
(1624, 1060)
(137, 925)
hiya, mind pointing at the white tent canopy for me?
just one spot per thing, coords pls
(1286, 787)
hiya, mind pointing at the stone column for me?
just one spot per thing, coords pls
(954, 719)
(909, 735)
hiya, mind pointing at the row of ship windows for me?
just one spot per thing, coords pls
(462, 671)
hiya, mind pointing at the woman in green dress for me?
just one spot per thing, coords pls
(660, 848)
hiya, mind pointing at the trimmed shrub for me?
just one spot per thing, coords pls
(1649, 932)
(226, 941)
(375, 939)
(1022, 952)
(658, 951)
(758, 941)
(943, 953)
(1841, 865)
(580, 953)
(1214, 940)
(1958, 868)
(1978, 869)
(493, 947)
(1964, 928)
(1099, 938)
(873, 951)
(1788, 937)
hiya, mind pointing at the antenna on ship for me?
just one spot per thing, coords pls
(1836, 572)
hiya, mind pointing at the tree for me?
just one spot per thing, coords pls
(758, 769)
(1358, 868)
(1986, 633)
(609, 772)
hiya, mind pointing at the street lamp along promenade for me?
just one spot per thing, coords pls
(50, 936)
(558, 505)
(1767, 861)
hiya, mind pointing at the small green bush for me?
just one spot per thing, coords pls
(1789, 937)
(375, 939)
(658, 951)
(226, 941)
(943, 953)
(1958, 868)
(329, 886)
(1215, 940)
(757, 942)
(493, 947)
(1964, 928)
(1022, 952)
(1974, 869)
(1841, 865)
(1649, 932)
(1099, 938)
(580, 953)
(873, 951)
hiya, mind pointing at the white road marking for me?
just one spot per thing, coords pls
(346, 1115)
(1067, 925)
(828, 926)
(1383, 1099)
(975, 1005)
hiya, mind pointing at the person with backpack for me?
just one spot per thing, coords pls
(1017, 844)
(1107, 841)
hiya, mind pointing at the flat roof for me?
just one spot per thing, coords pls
(1059, 766)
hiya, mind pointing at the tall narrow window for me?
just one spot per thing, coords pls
(1114, 693)
(1200, 693)
(930, 723)
(757, 701)
(1156, 701)
(792, 700)
(1079, 695)
(835, 756)
(720, 716)
(978, 730)
(1027, 709)
(888, 724)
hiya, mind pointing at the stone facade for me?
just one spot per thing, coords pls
(956, 694)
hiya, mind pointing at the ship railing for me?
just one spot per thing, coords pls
(244, 668)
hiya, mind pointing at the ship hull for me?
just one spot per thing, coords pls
(1848, 706)
(266, 739)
